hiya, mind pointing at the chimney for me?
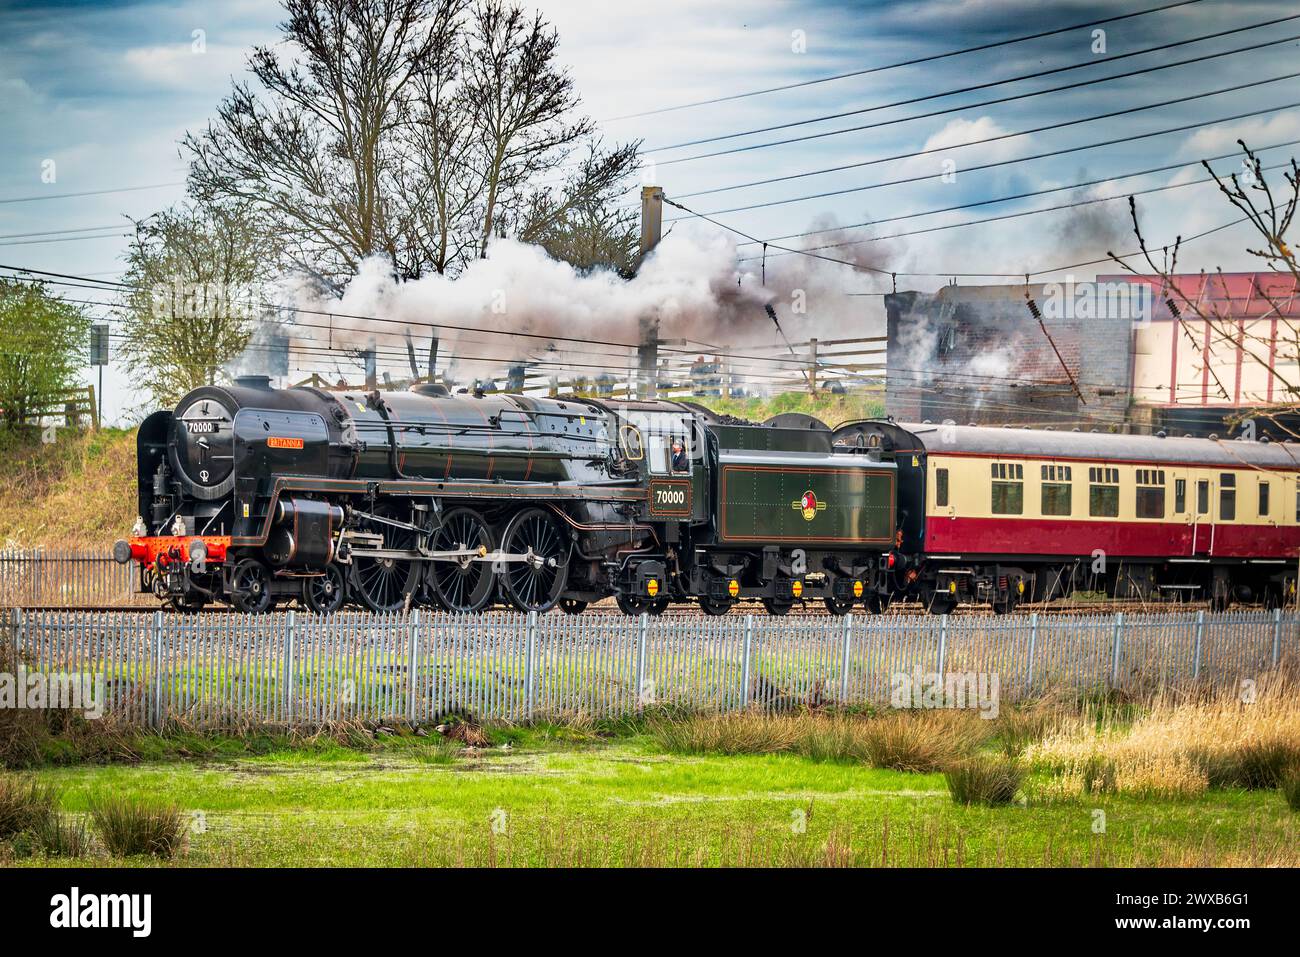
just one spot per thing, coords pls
(652, 220)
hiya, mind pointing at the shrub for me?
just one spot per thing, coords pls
(62, 836)
(921, 741)
(1255, 765)
(1018, 728)
(1290, 787)
(741, 733)
(130, 827)
(984, 779)
(25, 805)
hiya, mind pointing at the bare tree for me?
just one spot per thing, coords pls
(316, 147)
(1251, 193)
(521, 101)
(410, 129)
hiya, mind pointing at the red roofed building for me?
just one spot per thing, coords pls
(1108, 354)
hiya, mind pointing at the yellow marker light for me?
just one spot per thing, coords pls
(952, 588)
(733, 588)
(797, 588)
(652, 587)
(857, 589)
(1020, 586)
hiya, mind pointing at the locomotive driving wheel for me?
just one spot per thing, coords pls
(383, 584)
(463, 583)
(324, 594)
(573, 606)
(250, 586)
(534, 580)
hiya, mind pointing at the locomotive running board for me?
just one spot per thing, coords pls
(550, 492)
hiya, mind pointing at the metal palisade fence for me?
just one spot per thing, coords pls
(228, 670)
(66, 579)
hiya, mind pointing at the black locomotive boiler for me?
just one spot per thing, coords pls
(257, 496)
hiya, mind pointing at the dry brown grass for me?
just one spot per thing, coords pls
(78, 492)
(1179, 745)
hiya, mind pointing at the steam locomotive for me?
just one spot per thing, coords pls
(256, 496)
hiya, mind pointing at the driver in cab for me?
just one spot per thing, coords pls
(679, 463)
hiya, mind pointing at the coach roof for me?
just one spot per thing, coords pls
(1041, 443)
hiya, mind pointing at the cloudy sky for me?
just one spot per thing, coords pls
(95, 96)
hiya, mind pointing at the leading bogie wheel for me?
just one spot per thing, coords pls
(464, 583)
(536, 568)
(325, 593)
(250, 586)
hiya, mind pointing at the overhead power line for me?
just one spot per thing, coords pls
(970, 106)
(90, 192)
(1083, 147)
(902, 63)
(1083, 64)
(1003, 136)
(1041, 192)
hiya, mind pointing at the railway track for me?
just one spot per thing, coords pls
(809, 610)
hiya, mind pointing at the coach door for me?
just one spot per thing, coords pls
(1203, 516)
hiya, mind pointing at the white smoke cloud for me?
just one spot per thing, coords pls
(691, 285)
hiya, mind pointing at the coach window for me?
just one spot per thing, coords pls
(940, 487)
(1103, 492)
(1227, 496)
(1180, 496)
(1202, 497)
(1008, 488)
(1150, 493)
(1263, 498)
(1056, 489)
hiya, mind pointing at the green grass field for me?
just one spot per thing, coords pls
(563, 797)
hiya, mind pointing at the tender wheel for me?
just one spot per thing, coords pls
(324, 594)
(250, 584)
(463, 584)
(838, 606)
(534, 584)
(715, 606)
(942, 604)
(776, 607)
(383, 584)
(573, 606)
(639, 604)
